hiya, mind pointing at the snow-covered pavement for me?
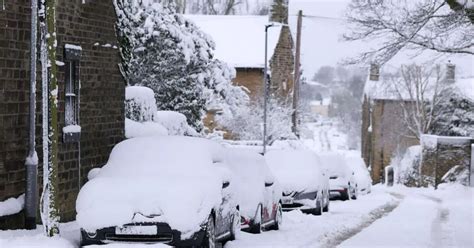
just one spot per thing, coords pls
(388, 217)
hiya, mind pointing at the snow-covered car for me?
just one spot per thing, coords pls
(257, 192)
(361, 173)
(169, 189)
(302, 178)
(342, 182)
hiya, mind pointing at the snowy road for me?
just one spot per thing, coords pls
(393, 217)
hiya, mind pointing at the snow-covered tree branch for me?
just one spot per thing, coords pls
(419, 90)
(414, 25)
(169, 54)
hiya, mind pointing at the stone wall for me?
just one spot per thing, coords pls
(282, 66)
(14, 75)
(389, 136)
(440, 154)
(252, 80)
(91, 26)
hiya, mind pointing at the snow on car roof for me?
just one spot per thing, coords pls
(240, 40)
(296, 170)
(155, 155)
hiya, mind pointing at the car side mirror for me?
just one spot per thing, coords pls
(225, 184)
(268, 184)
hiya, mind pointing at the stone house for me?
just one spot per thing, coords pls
(384, 133)
(91, 96)
(244, 49)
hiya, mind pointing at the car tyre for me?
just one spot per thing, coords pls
(86, 241)
(319, 207)
(235, 226)
(257, 226)
(210, 235)
(278, 218)
(326, 208)
(354, 195)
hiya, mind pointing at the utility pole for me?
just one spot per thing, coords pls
(31, 163)
(49, 208)
(296, 81)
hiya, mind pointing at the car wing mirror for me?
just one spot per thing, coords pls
(268, 184)
(225, 184)
(93, 173)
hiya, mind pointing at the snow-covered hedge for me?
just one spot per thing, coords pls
(407, 166)
(140, 104)
(175, 123)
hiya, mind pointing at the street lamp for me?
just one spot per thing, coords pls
(265, 88)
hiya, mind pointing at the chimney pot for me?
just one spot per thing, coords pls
(450, 73)
(374, 72)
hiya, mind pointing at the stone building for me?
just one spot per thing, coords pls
(384, 133)
(91, 96)
(244, 48)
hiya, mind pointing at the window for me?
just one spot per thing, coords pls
(72, 55)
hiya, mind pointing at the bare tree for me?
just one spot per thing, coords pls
(415, 25)
(419, 91)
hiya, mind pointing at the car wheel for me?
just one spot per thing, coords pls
(319, 207)
(86, 241)
(278, 218)
(210, 237)
(256, 226)
(326, 208)
(346, 195)
(235, 227)
(354, 195)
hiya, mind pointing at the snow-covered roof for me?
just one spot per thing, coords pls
(240, 40)
(387, 88)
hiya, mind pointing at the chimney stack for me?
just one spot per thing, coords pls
(279, 11)
(374, 72)
(450, 73)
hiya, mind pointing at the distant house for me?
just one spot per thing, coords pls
(91, 98)
(240, 42)
(384, 133)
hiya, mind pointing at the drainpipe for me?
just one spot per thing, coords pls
(31, 163)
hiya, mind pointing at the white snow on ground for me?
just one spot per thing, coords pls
(303, 230)
(425, 218)
(12, 205)
(325, 136)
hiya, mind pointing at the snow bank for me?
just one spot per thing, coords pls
(407, 226)
(170, 178)
(135, 129)
(175, 123)
(12, 205)
(295, 170)
(406, 168)
(140, 103)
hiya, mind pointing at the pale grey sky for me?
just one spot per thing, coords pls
(322, 44)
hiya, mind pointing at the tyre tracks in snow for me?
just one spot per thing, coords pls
(333, 240)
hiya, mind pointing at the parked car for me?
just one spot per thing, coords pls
(258, 193)
(341, 177)
(304, 184)
(361, 173)
(168, 189)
